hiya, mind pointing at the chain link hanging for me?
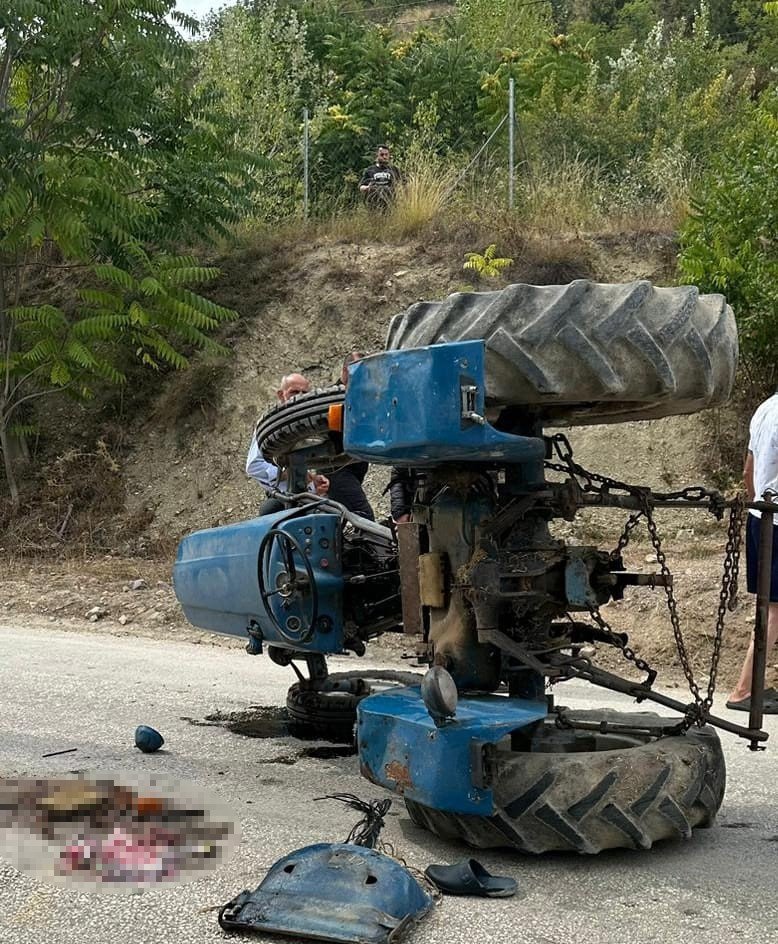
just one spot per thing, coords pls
(697, 712)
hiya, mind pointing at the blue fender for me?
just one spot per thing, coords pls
(425, 406)
(401, 748)
(331, 892)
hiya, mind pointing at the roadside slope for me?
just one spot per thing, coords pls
(302, 310)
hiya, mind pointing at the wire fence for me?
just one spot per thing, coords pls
(509, 119)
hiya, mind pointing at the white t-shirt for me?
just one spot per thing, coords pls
(763, 443)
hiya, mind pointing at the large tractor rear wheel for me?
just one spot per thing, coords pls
(588, 353)
(584, 792)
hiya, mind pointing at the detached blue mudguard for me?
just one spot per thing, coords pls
(425, 406)
(331, 892)
(402, 749)
(216, 579)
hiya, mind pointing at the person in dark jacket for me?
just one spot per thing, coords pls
(402, 489)
(380, 180)
(345, 484)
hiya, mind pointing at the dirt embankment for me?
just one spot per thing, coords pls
(303, 309)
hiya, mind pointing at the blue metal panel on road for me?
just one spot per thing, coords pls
(401, 749)
(405, 408)
(332, 892)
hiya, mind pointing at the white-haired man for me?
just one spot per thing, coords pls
(267, 473)
(343, 486)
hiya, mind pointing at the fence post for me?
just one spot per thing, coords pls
(305, 163)
(511, 148)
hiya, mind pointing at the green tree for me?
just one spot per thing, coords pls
(364, 102)
(257, 58)
(494, 25)
(652, 119)
(729, 242)
(372, 84)
(107, 153)
(757, 31)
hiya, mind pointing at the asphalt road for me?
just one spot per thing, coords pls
(60, 690)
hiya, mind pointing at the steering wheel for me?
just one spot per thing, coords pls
(289, 583)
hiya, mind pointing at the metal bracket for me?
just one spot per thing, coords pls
(254, 632)
(468, 394)
(481, 760)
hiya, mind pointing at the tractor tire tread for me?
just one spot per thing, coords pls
(587, 802)
(287, 426)
(588, 352)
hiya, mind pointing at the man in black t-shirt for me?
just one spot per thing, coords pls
(379, 181)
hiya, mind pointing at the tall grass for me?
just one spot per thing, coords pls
(424, 196)
(567, 196)
(575, 195)
(563, 196)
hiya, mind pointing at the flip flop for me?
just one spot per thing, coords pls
(469, 877)
(769, 706)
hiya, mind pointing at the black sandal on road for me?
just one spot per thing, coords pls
(769, 706)
(469, 877)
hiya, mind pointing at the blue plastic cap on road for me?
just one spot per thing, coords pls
(147, 739)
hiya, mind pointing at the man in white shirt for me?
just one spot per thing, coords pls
(760, 475)
(266, 473)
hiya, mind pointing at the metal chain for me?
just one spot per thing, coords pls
(623, 541)
(698, 712)
(728, 592)
(672, 605)
(692, 493)
(629, 654)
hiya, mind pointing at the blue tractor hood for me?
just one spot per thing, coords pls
(215, 578)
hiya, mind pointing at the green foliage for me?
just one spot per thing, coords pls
(651, 119)
(487, 264)
(644, 92)
(729, 242)
(370, 86)
(545, 77)
(145, 306)
(756, 32)
(496, 25)
(107, 151)
(257, 60)
(122, 140)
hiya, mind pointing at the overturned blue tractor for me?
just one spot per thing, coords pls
(502, 610)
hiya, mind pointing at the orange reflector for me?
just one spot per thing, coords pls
(335, 417)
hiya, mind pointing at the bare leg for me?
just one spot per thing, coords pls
(743, 688)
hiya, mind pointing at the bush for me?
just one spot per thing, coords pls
(649, 120)
(257, 62)
(729, 242)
